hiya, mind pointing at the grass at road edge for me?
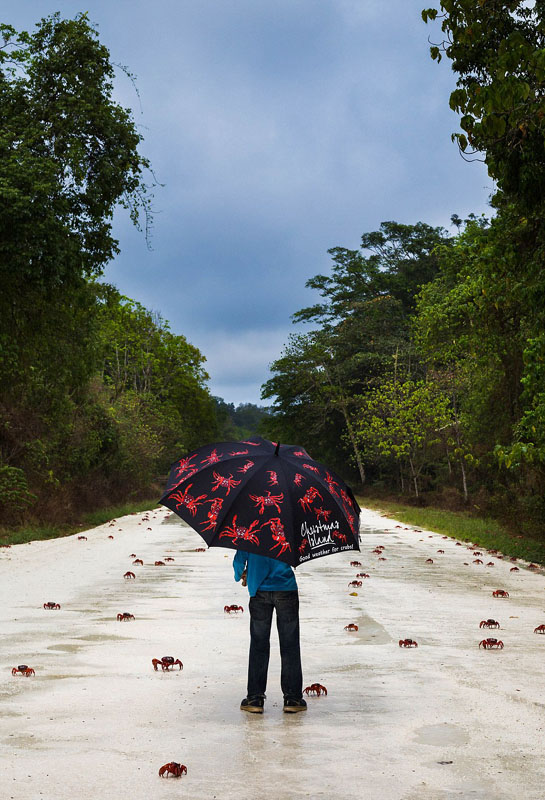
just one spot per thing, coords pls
(486, 533)
(89, 520)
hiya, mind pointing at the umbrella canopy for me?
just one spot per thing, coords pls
(269, 499)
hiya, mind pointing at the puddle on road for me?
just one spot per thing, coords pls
(440, 735)
(66, 648)
(351, 668)
(22, 742)
(463, 793)
(369, 631)
(105, 637)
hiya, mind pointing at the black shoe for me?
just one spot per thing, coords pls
(253, 704)
(291, 706)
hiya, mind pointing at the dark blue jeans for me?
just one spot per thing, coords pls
(287, 622)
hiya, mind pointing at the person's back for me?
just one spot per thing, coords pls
(272, 586)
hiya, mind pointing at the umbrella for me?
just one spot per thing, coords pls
(265, 498)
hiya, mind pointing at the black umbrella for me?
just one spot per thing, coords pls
(264, 498)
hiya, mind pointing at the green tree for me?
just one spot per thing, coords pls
(68, 155)
(402, 422)
(363, 338)
(497, 49)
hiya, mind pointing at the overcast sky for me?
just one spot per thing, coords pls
(280, 128)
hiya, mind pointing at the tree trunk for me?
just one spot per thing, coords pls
(414, 477)
(464, 481)
(351, 434)
(354, 444)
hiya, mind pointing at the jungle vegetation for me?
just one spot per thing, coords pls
(425, 355)
(97, 395)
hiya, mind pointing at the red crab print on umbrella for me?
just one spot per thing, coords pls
(265, 498)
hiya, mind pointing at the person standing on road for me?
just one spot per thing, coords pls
(272, 586)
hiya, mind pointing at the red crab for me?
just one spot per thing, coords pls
(213, 458)
(533, 566)
(185, 465)
(303, 546)
(213, 514)
(355, 564)
(381, 558)
(239, 453)
(309, 497)
(351, 627)
(263, 501)
(129, 575)
(441, 552)
(489, 623)
(273, 477)
(490, 564)
(23, 670)
(234, 531)
(200, 549)
(232, 609)
(355, 584)
(539, 629)
(173, 768)
(331, 484)
(346, 501)
(477, 561)
(125, 617)
(224, 482)
(298, 479)
(315, 688)
(278, 534)
(165, 663)
(407, 643)
(132, 555)
(138, 561)
(322, 513)
(311, 468)
(340, 536)
(82, 538)
(378, 550)
(187, 500)
(429, 561)
(488, 644)
(110, 536)
(168, 558)
(245, 467)
(500, 593)
(363, 575)
(514, 569)
(159, 564)
(51, 605)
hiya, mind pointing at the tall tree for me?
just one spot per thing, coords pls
(68, 155)
(497, 49)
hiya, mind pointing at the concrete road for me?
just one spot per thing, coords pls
(445, 720)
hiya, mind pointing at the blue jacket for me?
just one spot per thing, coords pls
(264, 574)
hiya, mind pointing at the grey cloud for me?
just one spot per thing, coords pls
(280, 129)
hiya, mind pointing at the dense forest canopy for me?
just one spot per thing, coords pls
(424, 370)
(97, 395)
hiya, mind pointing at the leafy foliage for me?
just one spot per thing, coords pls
(98, 396)
(498, 51)
(401, 422)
